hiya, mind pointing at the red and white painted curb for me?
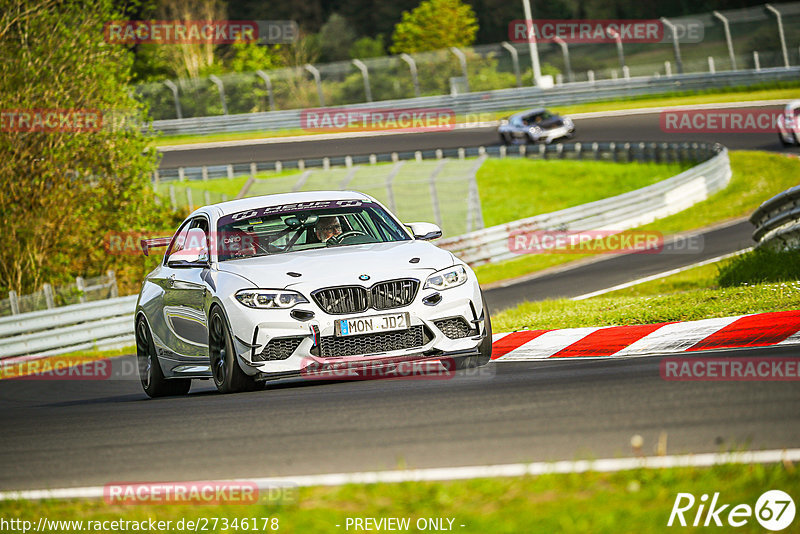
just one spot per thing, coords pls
(759, 330)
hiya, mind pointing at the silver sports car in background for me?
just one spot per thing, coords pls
(789, 124)
(267, 287)
(535, 125)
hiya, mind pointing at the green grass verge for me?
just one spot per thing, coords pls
(512, 189)
(771, 91)
(757, 176)
(761, 265)
(628, 501)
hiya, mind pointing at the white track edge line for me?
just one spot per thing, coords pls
(606, 465)
(661, 275)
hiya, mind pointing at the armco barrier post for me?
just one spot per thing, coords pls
(81, 286)
(268, 83)
(189, 199)
(412, 66)
(48, 296)
(514, 60)
(14, 302)
(216, 81)
(112, 281)
(437, 215)
(315, 73)
(174, 88)
(781, 35)
(360, 65)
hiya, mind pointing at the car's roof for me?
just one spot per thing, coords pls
(527, 112)
(234, 206)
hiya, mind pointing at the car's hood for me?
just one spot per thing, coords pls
(341, 265)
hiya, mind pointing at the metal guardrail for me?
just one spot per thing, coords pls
(82, 290)
(777, 220)
(109, 323)
(618, 213)
(492, 101)
(102, 324)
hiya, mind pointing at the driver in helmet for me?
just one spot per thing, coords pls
(328, 227)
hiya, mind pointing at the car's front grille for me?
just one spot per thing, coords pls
(355, 299)
(279, 348)
(334, 347)
(393, 294)
(338, 300)
(455, 327)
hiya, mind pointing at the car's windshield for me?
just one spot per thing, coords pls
(304, 226)
(536, 118)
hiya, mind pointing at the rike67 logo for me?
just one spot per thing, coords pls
(774, 510)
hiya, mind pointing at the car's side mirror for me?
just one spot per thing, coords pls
(425, 231)
(194, 253)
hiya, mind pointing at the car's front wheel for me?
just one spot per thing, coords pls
(228, 376)
(153, 381)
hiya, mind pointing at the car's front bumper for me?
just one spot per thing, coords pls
(309, 341)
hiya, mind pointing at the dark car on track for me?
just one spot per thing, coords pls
(535, 125)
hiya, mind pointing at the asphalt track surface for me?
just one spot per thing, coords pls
(613, 270)
(644, 127)
(79, 433)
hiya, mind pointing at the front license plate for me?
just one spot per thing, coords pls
(374, 323)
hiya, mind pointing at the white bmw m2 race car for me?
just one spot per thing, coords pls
(269, 287)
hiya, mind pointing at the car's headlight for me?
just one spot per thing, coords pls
(269, 298)
(447, 278)
(536, 130)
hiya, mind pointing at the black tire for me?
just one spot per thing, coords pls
(505, 139)
(225, 370)
(784, 142)
(154, 383)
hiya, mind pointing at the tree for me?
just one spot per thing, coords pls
(191, 60)
(335, 38)
(433, 25)
(368, 47)
(62, 192)
(249, 57)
